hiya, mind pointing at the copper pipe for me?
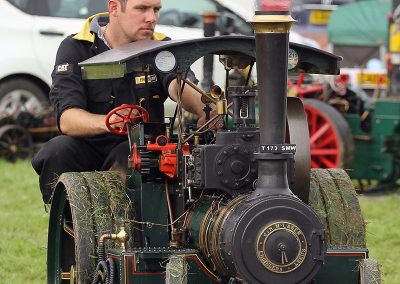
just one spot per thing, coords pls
(200, 91)
(121, 237)
(101, 248)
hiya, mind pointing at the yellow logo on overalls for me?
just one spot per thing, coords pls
(142, 79)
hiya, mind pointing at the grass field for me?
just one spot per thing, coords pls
(23, 229)
(382, 214)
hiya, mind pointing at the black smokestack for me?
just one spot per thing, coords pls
(272, 28)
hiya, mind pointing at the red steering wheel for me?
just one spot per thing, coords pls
(124, 112)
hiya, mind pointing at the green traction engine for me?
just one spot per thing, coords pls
(237, 205)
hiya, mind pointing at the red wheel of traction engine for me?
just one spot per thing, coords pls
(125, 117)
(331, 142)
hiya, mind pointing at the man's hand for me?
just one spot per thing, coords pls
(81, 123)
(77, 122)
(117, 120)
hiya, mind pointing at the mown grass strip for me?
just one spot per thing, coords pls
(23, 227)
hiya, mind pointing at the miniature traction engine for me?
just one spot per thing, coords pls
(237, 205)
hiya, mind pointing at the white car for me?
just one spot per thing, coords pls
(33, 29)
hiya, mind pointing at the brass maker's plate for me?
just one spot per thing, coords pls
(281, 247)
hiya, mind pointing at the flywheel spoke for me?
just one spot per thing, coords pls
(319, 133)
(324, 152)
(326, 141)
(326, 163)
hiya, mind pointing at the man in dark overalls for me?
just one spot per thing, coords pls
(81, 105)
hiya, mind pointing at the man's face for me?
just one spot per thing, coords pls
(139, 19)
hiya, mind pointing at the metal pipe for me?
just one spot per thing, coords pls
(209, 26)
(200, 91)
(272, 45)
(208, 96)
(171, 217)
(101, 247)
(121, 237)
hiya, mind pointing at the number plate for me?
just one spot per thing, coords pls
(319, 17)
(278, 148)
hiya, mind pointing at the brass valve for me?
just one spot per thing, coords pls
(122, 237)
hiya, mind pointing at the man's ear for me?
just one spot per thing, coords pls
(113, 7)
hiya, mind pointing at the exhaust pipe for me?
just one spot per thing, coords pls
(209, 26)
(271, 29)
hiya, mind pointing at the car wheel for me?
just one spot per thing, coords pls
(18, 95)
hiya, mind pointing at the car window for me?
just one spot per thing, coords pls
(69, 8)
(20, 4)
(229, 23)
(173, 13)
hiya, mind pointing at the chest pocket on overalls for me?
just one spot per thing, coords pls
(100, 96)
(147, 91)
(149, 95)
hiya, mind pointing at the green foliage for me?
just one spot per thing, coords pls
(23, 229)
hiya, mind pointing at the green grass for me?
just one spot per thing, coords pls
(382, 215)
(23, 228)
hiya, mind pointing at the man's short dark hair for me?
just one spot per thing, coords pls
(123, 4)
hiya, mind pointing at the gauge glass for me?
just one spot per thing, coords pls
(165, 61)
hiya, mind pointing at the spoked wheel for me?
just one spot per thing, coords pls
(84, 206)
(15, 143)
(331, 141)
(127, 114)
